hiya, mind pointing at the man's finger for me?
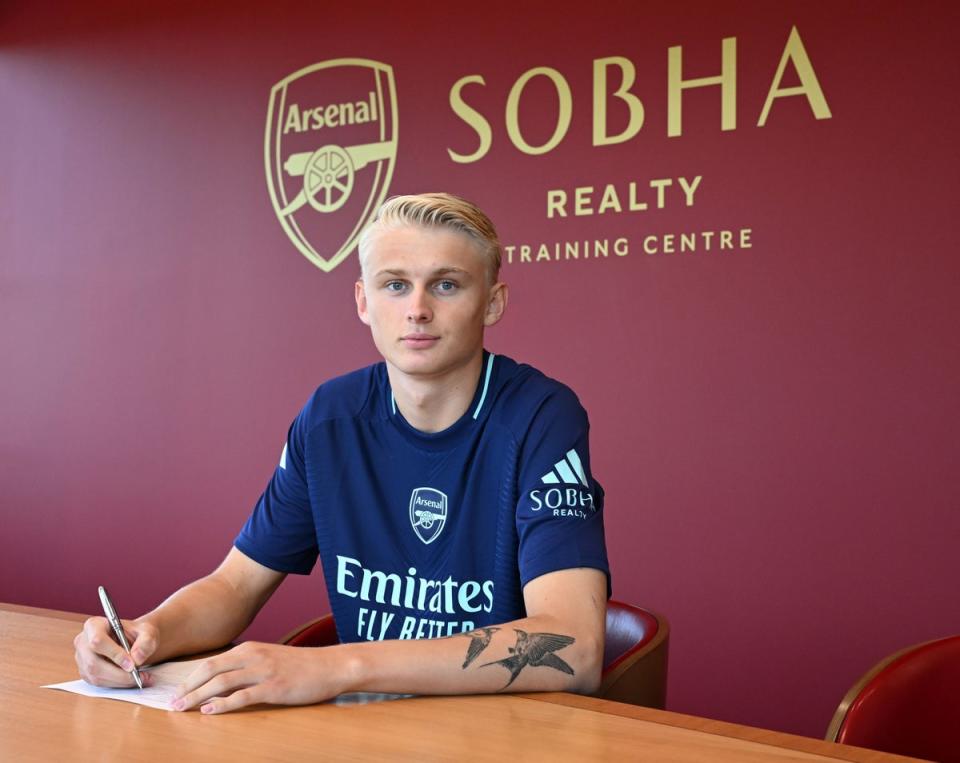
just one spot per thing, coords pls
(240, 698)
(142, 645)
(206, 670)
(102, 644)
(219, 685)
(95, 670)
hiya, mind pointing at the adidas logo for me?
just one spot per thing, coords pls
(574, 499)
(568, 471)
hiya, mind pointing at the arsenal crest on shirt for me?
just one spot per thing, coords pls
(428, 513)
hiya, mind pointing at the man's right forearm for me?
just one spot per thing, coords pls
(195, 619)
(212, 611)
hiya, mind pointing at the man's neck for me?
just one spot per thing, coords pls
(433, 403)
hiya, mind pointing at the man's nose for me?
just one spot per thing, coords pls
(418, 309)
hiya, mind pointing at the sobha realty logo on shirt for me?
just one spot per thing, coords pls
(567, 493)
(329, 152)
(428, 513)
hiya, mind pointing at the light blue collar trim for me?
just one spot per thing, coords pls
(483, 394)
(486, 385)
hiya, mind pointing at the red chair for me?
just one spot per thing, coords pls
(909, 703)
(634, 655)
(321, 631)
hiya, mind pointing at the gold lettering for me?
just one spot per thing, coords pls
(636, 206)
(628, 75)
(667, 243)
(581, 200)
(610, 200)
(809, 84)
(660, 185)
(293, 119)
(556, 203)
(564, 113)
(690, 189)
(473, 118)
(727, 80)
(331, 115)
(305, 119)
(575, 249)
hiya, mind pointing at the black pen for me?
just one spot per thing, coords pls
(111, 614)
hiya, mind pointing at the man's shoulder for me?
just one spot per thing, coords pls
(525, 392)
(346, 396)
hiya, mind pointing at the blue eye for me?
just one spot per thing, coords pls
(394, 286)
(447, 287)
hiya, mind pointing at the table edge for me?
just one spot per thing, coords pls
(722, 728)
(57, 614)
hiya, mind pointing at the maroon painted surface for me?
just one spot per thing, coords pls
(775, 426)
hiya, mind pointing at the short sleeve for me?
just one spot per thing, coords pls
(280, 533)
(560, 510)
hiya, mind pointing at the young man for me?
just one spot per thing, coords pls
(447, 492)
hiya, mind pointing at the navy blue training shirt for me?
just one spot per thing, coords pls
(430, 534)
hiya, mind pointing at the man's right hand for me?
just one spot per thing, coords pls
(103, 662)
(203, 615)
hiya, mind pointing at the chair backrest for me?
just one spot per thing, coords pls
(634, 655)
(908, 704)
(321, 631)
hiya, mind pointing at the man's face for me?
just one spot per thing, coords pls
(427, 297)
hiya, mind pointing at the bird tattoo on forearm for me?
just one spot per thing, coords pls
(536, 649)
(479, 640)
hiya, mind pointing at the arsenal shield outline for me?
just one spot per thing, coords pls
(328, 173)
(428, 513)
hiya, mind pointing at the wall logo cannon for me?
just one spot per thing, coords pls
(329, 151)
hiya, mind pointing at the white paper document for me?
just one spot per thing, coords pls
(169, 675)
(166, 679)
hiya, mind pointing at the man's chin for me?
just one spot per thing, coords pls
(425, 364)
(420, 367)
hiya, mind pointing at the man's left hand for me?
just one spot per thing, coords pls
(255, 673)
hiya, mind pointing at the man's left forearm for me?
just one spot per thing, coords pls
(558, 647)
(538, 653)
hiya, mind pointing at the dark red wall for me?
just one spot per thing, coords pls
(775, 426)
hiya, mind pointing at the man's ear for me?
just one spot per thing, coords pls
(361, 297)
(496, 304)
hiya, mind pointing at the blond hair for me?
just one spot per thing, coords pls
(438, 210)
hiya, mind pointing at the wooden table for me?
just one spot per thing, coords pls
(42, 724)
